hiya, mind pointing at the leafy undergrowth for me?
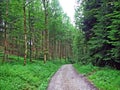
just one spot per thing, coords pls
(33, 76)
(103, 78)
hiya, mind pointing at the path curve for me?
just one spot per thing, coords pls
(66, 78)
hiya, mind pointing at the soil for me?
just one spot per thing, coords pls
(66, 78)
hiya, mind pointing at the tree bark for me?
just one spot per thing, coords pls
(25, 34)
(46, 33)
(30, 42)
(5, 33)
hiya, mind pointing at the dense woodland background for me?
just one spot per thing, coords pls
(35, 29)
(39, 29)
(99, 23)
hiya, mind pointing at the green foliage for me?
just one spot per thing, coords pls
(85, 69)
(106, 79)
(57, 23)
(103, 78)
(79, 47)
(14, 76)
(100, 21)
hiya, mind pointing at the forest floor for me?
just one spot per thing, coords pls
(66, 78)
(33, 76)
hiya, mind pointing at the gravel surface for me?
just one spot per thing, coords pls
(66, 78)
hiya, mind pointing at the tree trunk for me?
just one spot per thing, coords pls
(5, 34)
(46, 33)
(25, 34)
(30, 42)
(60, 49)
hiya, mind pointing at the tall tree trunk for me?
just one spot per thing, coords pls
(30, 42)
(30, 49)
(42, 44)
(50, 49)
(56, 53)
(25, 33)
(18, 47)
(5, 33)
(60, 49)
(46, 33)
(5, 43)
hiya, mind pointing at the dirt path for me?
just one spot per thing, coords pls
(66, 78)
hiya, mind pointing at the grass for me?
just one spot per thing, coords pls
(103, 78)
(33, 76)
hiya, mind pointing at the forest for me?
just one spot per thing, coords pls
(37, 38)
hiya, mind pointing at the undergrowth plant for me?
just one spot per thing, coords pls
(33, 76)
(104, 78)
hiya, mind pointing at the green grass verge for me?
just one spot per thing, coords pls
(103, 78)
(33, 76)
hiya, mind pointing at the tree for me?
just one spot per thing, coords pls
(5, 32)
(99, 26)
(25, 32)
(46, 33)
(36, 29)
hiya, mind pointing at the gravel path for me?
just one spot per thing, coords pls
(66, 78)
